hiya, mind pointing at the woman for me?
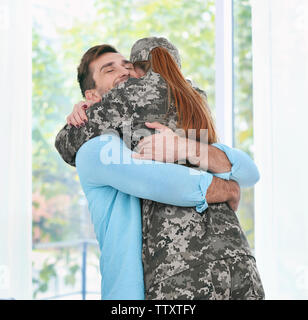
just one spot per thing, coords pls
(185, 255)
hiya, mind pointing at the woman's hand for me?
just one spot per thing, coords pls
(164, 146)
(78, 117)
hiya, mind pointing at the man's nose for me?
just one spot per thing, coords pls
(124, 72)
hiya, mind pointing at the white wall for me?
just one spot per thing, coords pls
(15, 154)
(280, 86)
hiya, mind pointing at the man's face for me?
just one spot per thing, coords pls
(109, 70)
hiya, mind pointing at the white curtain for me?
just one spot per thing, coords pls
(15, 154)
(280, 84)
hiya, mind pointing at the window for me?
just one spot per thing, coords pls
(62, 32)
(234, 104)
(243, 103)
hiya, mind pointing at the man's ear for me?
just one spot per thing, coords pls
(93, 95)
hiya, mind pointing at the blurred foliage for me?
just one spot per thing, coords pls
(56, 194)
(190, 25)
(48, 272)
(59, 207)
(243, 111)
(55, 189)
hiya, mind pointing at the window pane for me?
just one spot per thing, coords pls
(243, 108)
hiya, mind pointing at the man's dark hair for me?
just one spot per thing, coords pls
(85, 75)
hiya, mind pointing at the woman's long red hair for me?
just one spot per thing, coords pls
(192, 108)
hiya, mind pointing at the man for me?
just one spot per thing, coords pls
(100, 70)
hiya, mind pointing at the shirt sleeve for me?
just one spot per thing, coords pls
(106, 160)
(244, 171)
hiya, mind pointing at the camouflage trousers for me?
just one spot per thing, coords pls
(234, 278)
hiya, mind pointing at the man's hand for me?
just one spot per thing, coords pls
(78, 117)
(234, 201)
(164, 146)
(224, 191)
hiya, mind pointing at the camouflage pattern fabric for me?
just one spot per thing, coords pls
(125, 107)
(141, 50)
(180, 246)
(181, 257)
(226, 279)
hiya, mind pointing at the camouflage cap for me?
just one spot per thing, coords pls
(142, 48)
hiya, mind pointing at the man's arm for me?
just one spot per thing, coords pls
(107, 161)
(224, 191)
(224, 162)
(214, 161)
